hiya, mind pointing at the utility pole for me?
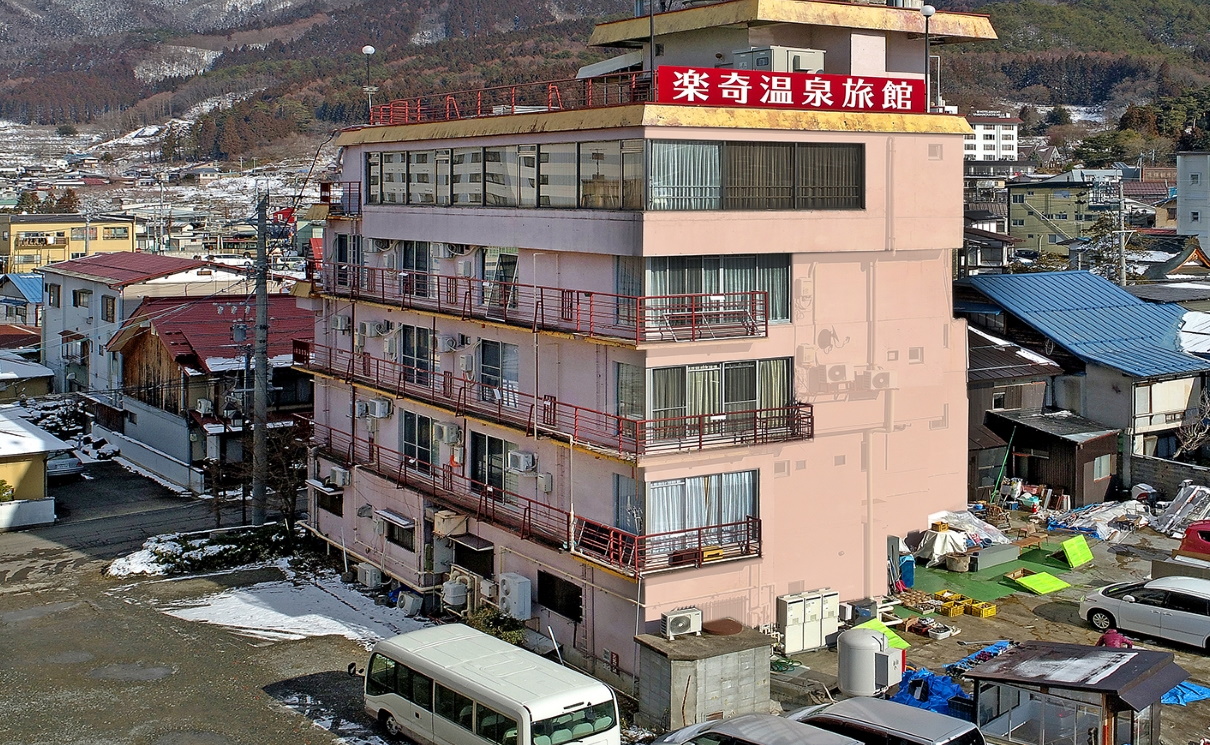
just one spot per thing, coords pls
(1121, 234)
(260, 354)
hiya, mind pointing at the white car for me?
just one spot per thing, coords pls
(876, 721)
(1173, 608)
(753, 729)
(63, 463)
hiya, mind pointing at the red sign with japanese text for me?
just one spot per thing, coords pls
(711, 86)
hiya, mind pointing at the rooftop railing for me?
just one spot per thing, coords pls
(522, 98)
(546, 415)
(544, 523)
(635, 319)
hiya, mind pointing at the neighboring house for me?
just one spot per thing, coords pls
(1001, 376)
(1189, 295)
(23, 340)
(1123, 363)
(984, 252)
(21, 298)
(28, 242)
(1064, 451)
(643, 354)
(1166, 213)
(24, 449)
(186, 367)
(994, 137)
(1044, 214)
(1164, 256)
(87, 299)
(21, 378)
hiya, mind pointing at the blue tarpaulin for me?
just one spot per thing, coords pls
(934, 692)
(1184, 693)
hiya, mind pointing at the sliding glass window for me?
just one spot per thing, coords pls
(759, 176)
(685, 176)
(502, 177)
(686, 275)
(467, 167)
(422, 181)
(830, 176)
(601, 175)
(557, 180)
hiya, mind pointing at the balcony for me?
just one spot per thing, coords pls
(343, 198)
(633, 555)
(523, 98)
(600, 315)
(546, 415)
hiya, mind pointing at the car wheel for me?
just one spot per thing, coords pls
(392, 725)
(1101, 620)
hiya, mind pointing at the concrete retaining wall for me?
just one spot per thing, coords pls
(1165, 475)
(161, 464)
(25, 513)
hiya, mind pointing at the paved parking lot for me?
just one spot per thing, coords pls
(89, 659)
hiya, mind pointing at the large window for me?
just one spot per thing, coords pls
(718, 388)
(394, 178)
(759, 177)
(830, 176)
(700, 502)
(502, 177)
(682, 275)
(114, 234)
(419, 446)
(557, 179)
(601, 175)
(685, 176)
(489, 461)
(467, 176)
(421, 177)
(416, 353)
(499, 371)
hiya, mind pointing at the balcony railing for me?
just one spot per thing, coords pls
(547, 415)
(522, 98)
(686, 317)
(342, 197)
(533, 520)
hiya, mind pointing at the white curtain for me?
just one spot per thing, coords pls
(699, 502)
(685, 176)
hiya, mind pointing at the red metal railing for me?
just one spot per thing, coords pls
(547, 415)
(522, 98)
(686, 317)
(342, 197)
(544, 523)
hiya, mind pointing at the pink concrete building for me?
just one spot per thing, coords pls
(601, 349)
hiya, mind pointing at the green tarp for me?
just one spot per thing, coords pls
(1074, 551)
(893, 639)
(1040, 583)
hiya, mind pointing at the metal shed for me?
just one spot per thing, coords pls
(1047, 693)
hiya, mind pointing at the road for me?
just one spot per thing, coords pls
(90, 659)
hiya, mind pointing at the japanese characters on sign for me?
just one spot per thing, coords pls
(708, 86)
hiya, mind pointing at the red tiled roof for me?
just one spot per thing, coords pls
(198, 331)
(123, 268)
(16, 336)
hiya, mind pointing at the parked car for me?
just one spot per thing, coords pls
(1172, 608)
(63, 463)
(876, 721)
(753, 729)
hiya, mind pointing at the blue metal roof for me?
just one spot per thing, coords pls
(29, 285)
(1096, 320)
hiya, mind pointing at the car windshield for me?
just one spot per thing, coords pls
(1120, 590)
(578, 724)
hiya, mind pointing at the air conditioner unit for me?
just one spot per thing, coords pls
(522, 461)
(375, 245)
(369, 575)
(390, 346)
(340, 322)
(515, 596)
(447, 523)
(380, 526)
(883, 380)
(446, 342)
(369, 328)
(837, 374)
(338, 476)
(465, 268)
(205, 406)
(378, 408)
(680, 622)
(447, 432)
(466, 362)
(361, 409)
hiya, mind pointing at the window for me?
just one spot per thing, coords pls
(416, 354)
(502, 177)
(394, 178)
(380, 678)
(495, 727)
(489, 461)
(109, 308)
(1102, 467)
(685, 275)
(830, 176)
(759, 176)
(52, 295)
(1053, 238)
(79, 234)
(681, 395)
(601, 175)
(1195, 178)
(415, 266)
(1195, 216)
(1178, 601)
(1017, 222)
(419, 446)
(1018, 199)
(404, 537)
(415, 687)
(455, 707)
(722, 500)
(81, 298)
(120, 233)
(915, 355)
(329, 502)
(685, 176)
(499, 372)
(557, 175)
(498, 267)
(420, 174)
(998, 399)
(970, 147)
(466, 165)
(560, 596)
(989, 137)
(373, 178)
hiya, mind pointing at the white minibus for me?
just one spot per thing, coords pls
(453, 685)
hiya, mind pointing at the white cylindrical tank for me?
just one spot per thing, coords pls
(855, 650)
(453, 594)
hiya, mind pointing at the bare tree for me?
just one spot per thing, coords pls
(1195, 429)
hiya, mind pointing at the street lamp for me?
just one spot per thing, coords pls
(927, 11)
(369, 90)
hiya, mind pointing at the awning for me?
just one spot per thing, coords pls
(394, 517)
(970, 306)
(72, 336)
(473, 542)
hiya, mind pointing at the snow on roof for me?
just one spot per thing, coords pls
(122, 268)
(15, 367)
(19, 437)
